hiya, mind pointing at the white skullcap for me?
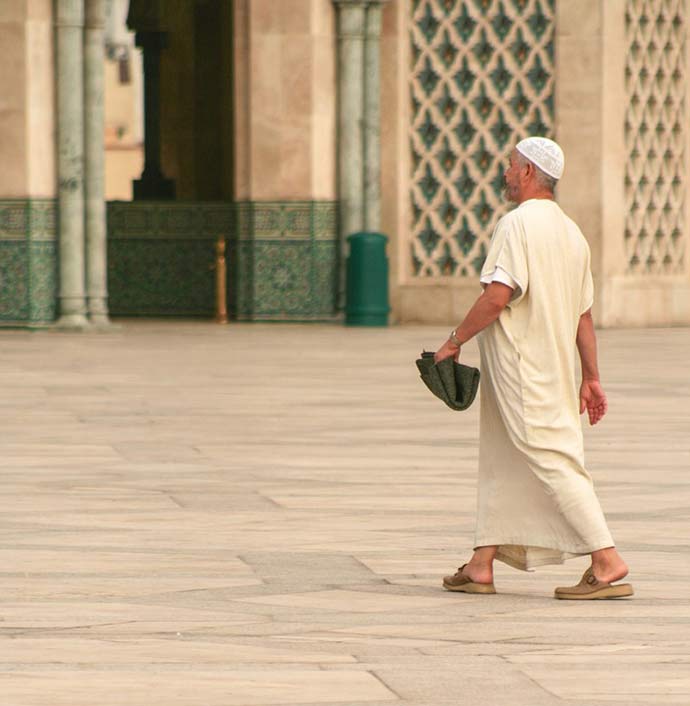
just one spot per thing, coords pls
(545, 153)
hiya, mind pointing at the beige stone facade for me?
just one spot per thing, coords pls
(622, 116)
(26, 110)
(620, 74)
(250, 94)
(284, 99)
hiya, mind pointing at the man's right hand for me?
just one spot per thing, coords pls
(593, 399)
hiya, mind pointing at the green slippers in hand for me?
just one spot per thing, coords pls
(454, 383)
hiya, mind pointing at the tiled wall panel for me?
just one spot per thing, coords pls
(656, 135)
(28, 267)
(481, 78)
(281, 259)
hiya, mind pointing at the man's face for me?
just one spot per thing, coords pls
(512, 178)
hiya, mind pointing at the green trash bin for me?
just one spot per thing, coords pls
(366, 291)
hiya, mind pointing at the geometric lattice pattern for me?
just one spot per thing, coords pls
(655, 132)
(481, 79)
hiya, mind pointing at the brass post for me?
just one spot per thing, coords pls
(221, 288)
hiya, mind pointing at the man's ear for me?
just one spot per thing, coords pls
(529, 169)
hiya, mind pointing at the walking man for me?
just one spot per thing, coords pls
(536, 502)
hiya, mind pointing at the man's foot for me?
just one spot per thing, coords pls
(591, 588)
(610, 572)
(463, 583)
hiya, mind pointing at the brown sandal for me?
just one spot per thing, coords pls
(590, 588)
(464, 584)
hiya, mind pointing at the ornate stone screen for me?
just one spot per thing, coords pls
(481, 79)
(655, 133)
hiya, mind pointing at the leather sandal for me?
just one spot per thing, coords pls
(590, 588)
(464, 584)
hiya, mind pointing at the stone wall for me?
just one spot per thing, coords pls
(471, 79)
(622, 118)
(27, 177)
(285, 109)
(606, 78)
(285, 255)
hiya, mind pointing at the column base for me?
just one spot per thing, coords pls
(101, 323)
(72, 322)
(97, 307)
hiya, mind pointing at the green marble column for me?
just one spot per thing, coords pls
(359, 121)
(96, 257)
(351, 27)
(372, 117)
(69, 25)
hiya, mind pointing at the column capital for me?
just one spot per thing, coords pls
(351, 19)
(94, 17)
(374, 22)
(69, 13)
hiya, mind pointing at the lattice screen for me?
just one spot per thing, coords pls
(481, 79)
(655, 131)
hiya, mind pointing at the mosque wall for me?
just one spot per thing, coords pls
(285, 106)
(477, 78)
(27, 177)
(622, 119)
(462, 81)
(285, 246)
(606, 78)
(248, 135)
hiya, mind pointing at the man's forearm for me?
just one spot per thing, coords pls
(484, 311)
(587, 347)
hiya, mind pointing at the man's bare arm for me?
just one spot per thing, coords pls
(484, 311)
(592, 396)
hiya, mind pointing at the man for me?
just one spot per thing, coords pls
(536, 503)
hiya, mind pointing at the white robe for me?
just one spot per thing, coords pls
(535, 499)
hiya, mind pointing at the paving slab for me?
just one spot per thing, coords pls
(252, 515)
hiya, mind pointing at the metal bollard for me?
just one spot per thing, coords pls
(221, 285)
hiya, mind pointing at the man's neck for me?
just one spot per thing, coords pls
(536, 194)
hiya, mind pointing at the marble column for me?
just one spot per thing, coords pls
(372, 117)
(351, 27)
(96, 253)
(69, 24)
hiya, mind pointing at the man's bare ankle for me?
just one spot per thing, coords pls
(609, 572)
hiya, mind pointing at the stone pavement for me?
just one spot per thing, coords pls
(253, 515)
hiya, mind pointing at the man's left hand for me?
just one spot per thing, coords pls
(447, 350)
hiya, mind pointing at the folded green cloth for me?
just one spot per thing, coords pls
(454, 383)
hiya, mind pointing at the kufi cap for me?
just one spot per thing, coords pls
(545, 153)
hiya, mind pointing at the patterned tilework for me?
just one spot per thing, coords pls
(481, 79)
(14, 281)
(656, 132)
(161, 257)
(28, 277)
(281, 259)
(43, 281)
(285, 261)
